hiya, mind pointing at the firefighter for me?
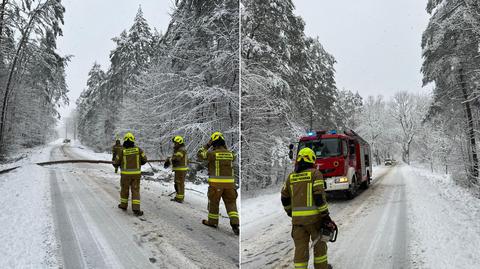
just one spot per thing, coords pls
(303, 198)
(221, 181)
(130, 160)
(116, 149)
(179, 161)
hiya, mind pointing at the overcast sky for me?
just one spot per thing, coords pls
(377, 43)
(89, 28)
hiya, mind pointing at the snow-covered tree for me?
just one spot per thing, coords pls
(32, 74)
(287, 86)
(451, 58)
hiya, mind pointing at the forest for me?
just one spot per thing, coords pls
(288, 88)
(158, 85)
(32, 73)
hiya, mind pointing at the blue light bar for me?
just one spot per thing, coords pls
(332, 132)
(310, 133)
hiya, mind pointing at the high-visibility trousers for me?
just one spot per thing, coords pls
(127, 183)
(179, 182)
(301, 235)
(229, 196)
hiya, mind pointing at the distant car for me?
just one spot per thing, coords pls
(389, 162)
(66, 140)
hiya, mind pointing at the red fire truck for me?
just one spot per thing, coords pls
(343, 158)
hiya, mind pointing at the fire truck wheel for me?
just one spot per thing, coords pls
(352, 191)
(366, 183)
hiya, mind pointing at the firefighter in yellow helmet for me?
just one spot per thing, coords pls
(116, 149)
(304, 199)
(130, 160)
(221, 181)
(179, 161)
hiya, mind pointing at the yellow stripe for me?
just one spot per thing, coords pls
(217, 167)
(305, 213)
(221, 180)
(320, 259)
(233, 214)
(138, 162)
(131, 172)
(135, 202)
(180, 168)
(301, 265)
(124, 200)
(213, 216)
(318, 182)
(124, 162)
(323, 208)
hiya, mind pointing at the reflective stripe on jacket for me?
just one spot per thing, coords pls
(130, 161)
(220, 167)
(300, 188)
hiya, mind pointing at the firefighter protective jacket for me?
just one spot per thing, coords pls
(130, 160)
(304, 198)
(116, 149)
(180, 159)
(220, 167)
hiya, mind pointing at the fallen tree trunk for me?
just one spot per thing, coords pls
(9, 170)
(77, 161)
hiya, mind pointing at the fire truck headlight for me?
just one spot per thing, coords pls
(341, 180)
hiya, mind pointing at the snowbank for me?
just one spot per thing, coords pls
(27, 235)
(444, 221)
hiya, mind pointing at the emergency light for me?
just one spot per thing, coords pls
(332, 132)
(311, 134)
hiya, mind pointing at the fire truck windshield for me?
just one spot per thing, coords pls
(329, 147)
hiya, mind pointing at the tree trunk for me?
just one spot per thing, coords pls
(470, 131)
(22, 43)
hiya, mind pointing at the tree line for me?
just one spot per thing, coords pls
(32, 73)
(183, 82)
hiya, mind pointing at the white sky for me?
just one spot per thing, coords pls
(89, 27)
(377, 43)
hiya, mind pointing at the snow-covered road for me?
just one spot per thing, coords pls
(404, 220)
(89, 231)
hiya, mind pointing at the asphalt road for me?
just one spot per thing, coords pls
(93, 233)
(372, 230)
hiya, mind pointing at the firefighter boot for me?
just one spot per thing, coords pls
(236, 229)
(138, 212)
(116, 169)
(205, 222)
(122, 207)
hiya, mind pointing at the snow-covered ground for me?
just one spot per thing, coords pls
(408, 218)
(66, 216)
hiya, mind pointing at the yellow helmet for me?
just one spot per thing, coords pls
(129, 136)
(215, 136)
(178, 139)
(307, 155)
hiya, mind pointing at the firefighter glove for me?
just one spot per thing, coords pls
(167, 163)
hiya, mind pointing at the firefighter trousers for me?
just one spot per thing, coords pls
(180, 185)
(301, 235)
(229, 196)
(127, 183)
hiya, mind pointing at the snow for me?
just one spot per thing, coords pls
(30, 238)
(409, 217)
(27, 234)
(444, 221)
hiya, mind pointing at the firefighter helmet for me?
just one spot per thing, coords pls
(178, 139)
(129, 137)
(307, 155)
(217, 135)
